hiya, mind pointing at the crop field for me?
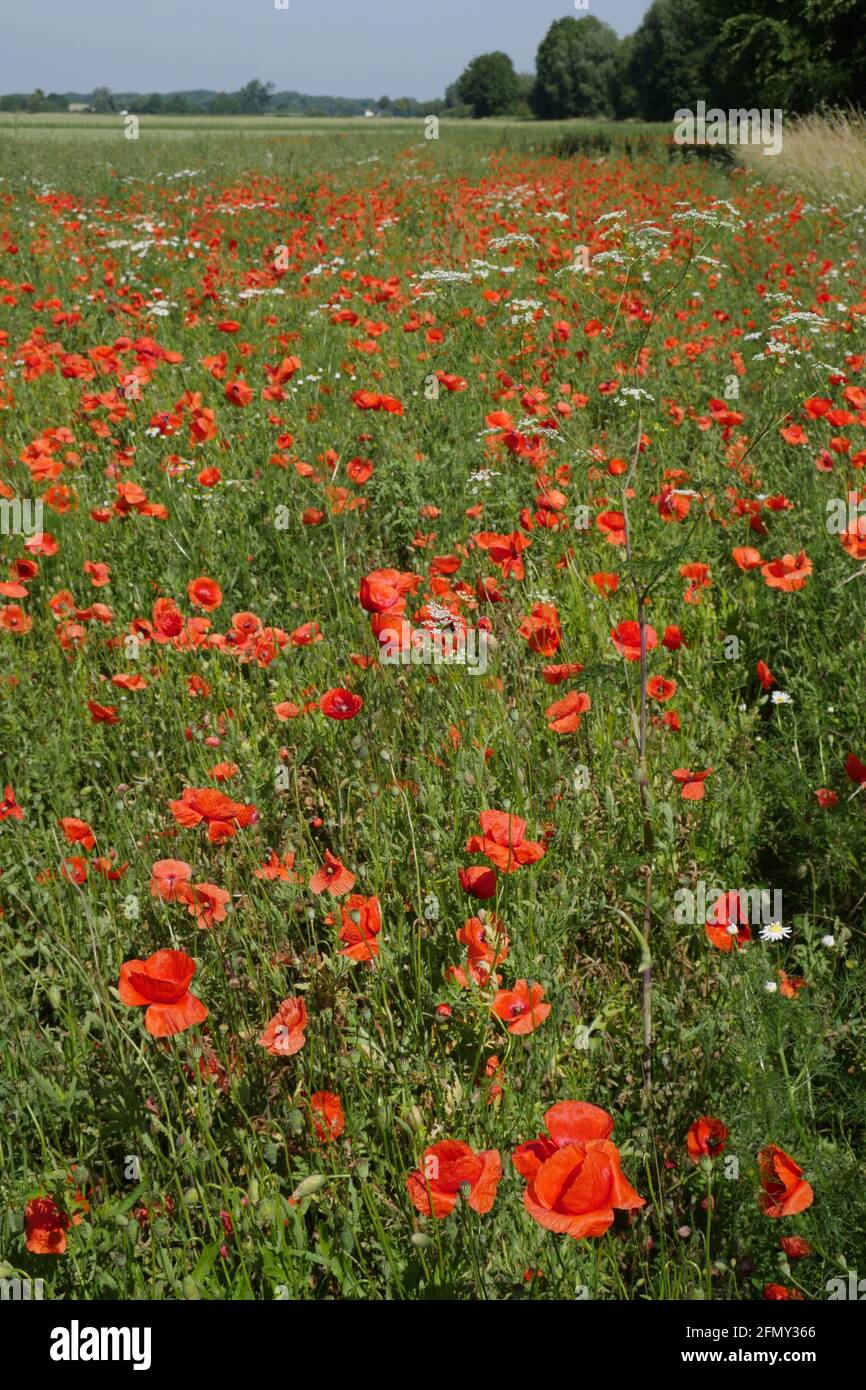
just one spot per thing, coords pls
(432, 752)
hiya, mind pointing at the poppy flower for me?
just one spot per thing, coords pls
(727, 924)
(103, 714)
(781, 1293)
(362, 923)
(520, 1008)
(328, 1118)
(706, 1138)
(478, 880)
(449, 1170)
(855, 769)
(167, 878)
(333, 877)
(485, 941)
(205, 902)
(788, 573)
(45, 1227)
(541, 629)
(765, 676)
(502, 842)
(826, 798)
(657, 688)
(78, 832)
(563, 716)
(207, 805)
(626, 639)
(796, 1248)
(692, 783)
(284, 1034)
(746, 557)
(276, 868)
(9, 808)
(204, 593)
(574, 1175)
(785, 1193)
(340, 704)
(161, 984)
(673, 638)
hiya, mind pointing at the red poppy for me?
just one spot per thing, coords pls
(362, 923)
(727, 924)
(478, 880)
(9, 808)
(626, 639)
(502, 842)
(204, 593)
(340, 704)
(45, 1227)
(449, 1170)
(520, 1008)
(207, 805)
(78, 832)
(328, 1118)
(692, 783)
(161, 984)
(788, 573)
(333, 877)
(785, 1193)
(706, 1138)
(168, 877)
(575, 1179)
(564, 715)
(284, 1034)
(657, 688)
(796, 1248)
(765, 676)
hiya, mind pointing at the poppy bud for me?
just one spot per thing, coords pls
(308, 1186)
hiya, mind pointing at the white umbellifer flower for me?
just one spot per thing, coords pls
(771, 986)
(781, 697)
(828, 941)
(774, 931)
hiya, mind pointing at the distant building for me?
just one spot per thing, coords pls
(78, 106)
(371, 113)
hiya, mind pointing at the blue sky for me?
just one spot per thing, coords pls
(360, 48)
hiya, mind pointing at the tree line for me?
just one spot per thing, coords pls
(797, 55)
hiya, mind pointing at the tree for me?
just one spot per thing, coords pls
(223, 104)
(489, 85)
(575, 69)
(677, 58)
(253, 99)
(798, 57)
(102, 100)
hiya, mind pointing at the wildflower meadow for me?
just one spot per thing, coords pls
(432, 656)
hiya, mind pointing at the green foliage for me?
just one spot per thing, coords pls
(576, 69)
(489, 85)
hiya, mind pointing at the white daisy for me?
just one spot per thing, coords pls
(774, 931)
(828, 941)
(771, 986)
(781, 697)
